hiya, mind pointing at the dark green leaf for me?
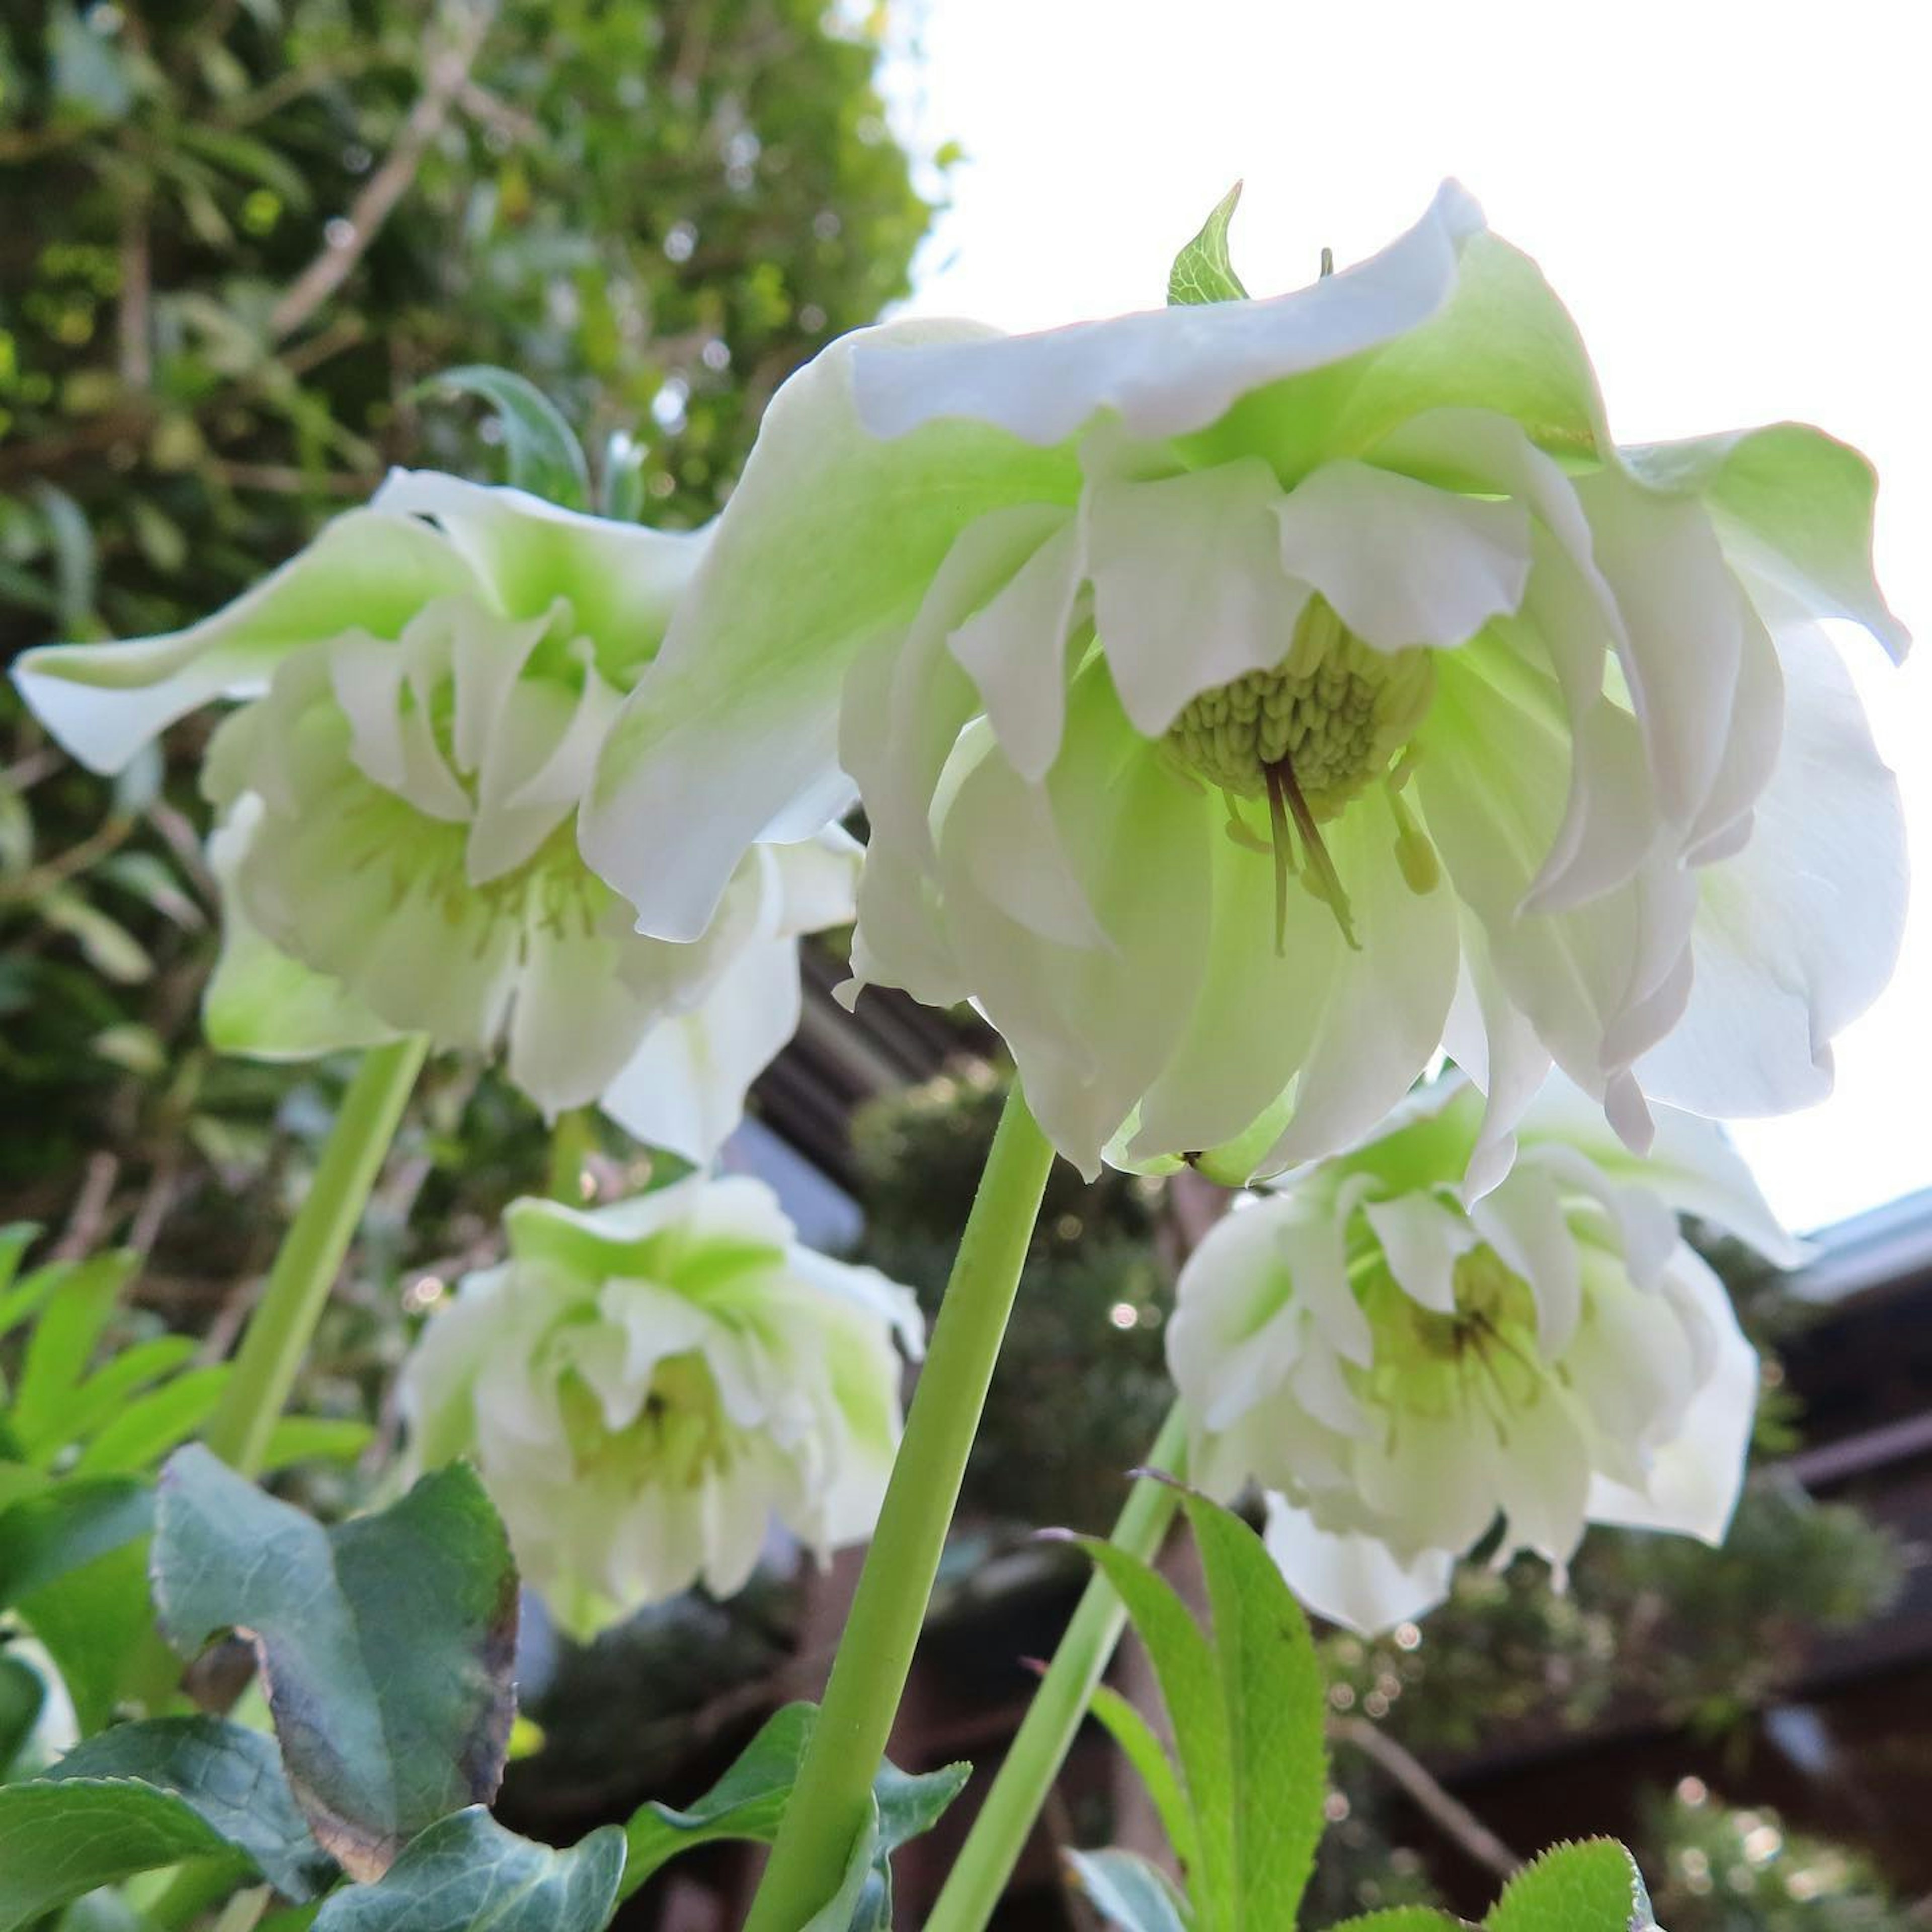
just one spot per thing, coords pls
(21, 1696)
(1590, 1887)
(231, 1777)
(1272, 1686)
(1201, 272)
(1128, 1892)
(46, 1537)
(58, 1840)
(386, 1643)
(544, 457)
(749, 1802)
(467, 1871)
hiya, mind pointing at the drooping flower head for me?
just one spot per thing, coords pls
(646, 1388)
(427, 686)
(1398, 1365)
(1244, 696)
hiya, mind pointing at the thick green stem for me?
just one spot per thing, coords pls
(830, 1805)
(311, 1254)
(1039, 1747)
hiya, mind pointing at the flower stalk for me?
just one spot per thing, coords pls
(1039, 1747)
(828, 1805)
(305, 1267)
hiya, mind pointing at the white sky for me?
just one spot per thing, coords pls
(1732, 199)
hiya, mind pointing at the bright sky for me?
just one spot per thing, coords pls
(1731, 198)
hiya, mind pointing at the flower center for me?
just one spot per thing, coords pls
(680, 1439)
(1311, 736)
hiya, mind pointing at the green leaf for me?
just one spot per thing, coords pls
(147, 1429)
(863, 1902)
(386, 1643)
(231, 1778)
(60, 1840)
(544, 457)
(1594, 1886)
(749, 1802)
(23, 1695)
(1201, 272)
(1272, 1687)
(1190, 1686)
(62, 1344)
(1148, 1755)
(73, 1563)
(16, 1237)
(1403, 1919)
(465, 1871)
(1128, 1892)
(107, 1393)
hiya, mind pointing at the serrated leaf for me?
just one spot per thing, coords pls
(59, 1841)
(543, 455)
(1593, 1886)
(466, 1871)
(749, 1802)
(231, 1778)
(1272, 1687)
(386, 1643)
(1403, 1919)
(1128, 1892)
(1148, 1755)
(1202, 271)
(1190, 1686)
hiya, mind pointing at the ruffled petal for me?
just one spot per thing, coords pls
(1421, 1240)
(623, 581)
(741, 708)
(684, 1088)
(1166, 371)
(1189, 591)
(1798, 934)
(366, 572)
(1403, 563)
(1352, 1579)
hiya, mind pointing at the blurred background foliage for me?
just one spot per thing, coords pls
(241, 236)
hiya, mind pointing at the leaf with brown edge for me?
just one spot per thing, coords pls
(386, 1644)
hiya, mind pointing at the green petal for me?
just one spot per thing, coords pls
(365, 572)
(832, 538)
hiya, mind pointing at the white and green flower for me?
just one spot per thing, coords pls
(1399, 1366)
(1245, 697)
(645, 1389)
(427, 686)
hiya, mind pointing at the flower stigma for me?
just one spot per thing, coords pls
(1311, 736)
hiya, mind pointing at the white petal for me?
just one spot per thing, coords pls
(1523, 1219)
(1421, 1240)
(364, 572)
(741, 707)
(1797, 934)
(1490, 1038)
(1166, 371)
(1695, 1479)
(1402, 563)
(1353, 1579)
(1542, 1474)
(684, 1088)
(1189, 591)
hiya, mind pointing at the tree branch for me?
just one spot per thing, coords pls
(1404, 1769)
(448, 71)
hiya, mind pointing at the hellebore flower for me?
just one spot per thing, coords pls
(645, 1388)
(1244, 697)
(1397, 1366)
(428, 685)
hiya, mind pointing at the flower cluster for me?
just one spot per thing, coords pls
(1397, 1366)
(428, 686)
(1247, 697)
(646, 1388)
